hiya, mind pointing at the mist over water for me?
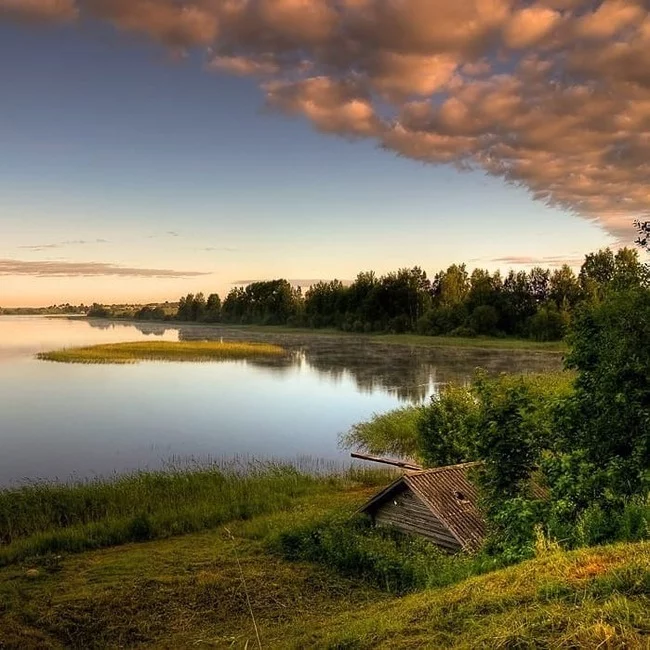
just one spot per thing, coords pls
(60, 421)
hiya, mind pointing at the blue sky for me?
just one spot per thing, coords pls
(116, 152)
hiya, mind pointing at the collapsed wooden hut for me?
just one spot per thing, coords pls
(439, 504)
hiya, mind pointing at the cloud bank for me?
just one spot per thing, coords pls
(54, 269)
(63, 244)
(549, 95)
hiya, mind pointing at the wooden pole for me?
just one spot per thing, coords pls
(387, 461)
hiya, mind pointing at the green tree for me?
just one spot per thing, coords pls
(213, 308)
(564, 288)
(604, 430)
(98, 311)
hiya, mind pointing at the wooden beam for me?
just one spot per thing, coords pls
(388, 461)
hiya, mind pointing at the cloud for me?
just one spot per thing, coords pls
(62, 244)
(38, 10)
(549, 95)
(53, 269)
(547, 260)
(227, 249)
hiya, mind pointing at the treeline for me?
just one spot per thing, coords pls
(65, 308)
(564, 457)
(538, 304)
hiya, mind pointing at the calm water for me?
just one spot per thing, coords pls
(63, 421)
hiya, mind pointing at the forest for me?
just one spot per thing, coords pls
(538, 304)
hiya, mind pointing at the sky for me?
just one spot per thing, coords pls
(155, 147)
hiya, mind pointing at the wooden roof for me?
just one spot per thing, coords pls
(451, 497)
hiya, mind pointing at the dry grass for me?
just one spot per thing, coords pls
(163, 351)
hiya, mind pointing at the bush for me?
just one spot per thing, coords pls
(548, 324)
(601, 462)
(441, 320)
(484, 319)
(448, 427)
(383, 557)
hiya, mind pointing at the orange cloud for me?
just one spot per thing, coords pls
(550, 95)
(39, 10)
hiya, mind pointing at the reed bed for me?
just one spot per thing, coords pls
(46, 517)
(133, 352)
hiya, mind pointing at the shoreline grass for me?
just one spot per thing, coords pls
(417, 340)
(192, 351)
(44, 518)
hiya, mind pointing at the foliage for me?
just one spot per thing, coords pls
(394, 432)
(643, 228)
(98, 311)
(549, 323)
(150, 312)
(536, 304)
(449, 425)
(163, 351)
(273, 302)
(383, 557)
(603, 431)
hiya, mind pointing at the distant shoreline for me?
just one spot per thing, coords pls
(413, 340)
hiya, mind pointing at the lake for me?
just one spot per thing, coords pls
(60, 421)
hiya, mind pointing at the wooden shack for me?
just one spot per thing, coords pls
(439, 504)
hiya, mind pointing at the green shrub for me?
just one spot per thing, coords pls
(448, 427)
(484, 319)
(383, 557)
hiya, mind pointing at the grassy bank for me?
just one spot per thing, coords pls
(54, 518)
(478, 342)
(231, 585)
(163, 351)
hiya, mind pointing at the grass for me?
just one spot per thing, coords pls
(381, 557)
(478, 342)
(163, 351)
(593, 598)
(195, 590)
(53, 518)
(393, 433)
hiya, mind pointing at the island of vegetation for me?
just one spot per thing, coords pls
(163, 351)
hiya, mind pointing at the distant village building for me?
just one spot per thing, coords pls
(439, 504)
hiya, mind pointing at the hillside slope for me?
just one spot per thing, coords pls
(199, 591)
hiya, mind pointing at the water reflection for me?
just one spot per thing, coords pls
(60, 420)
(408, 372)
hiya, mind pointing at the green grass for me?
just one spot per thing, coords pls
(379, 556)
(593, 598)
(53, 518)
(163, 351)
(393, 433)
(195, 590)
(478, 342)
